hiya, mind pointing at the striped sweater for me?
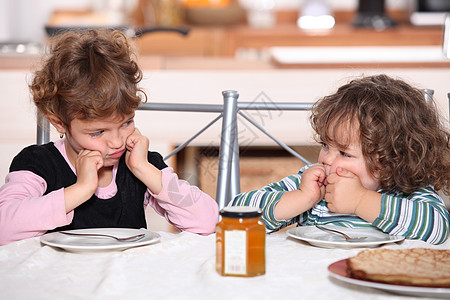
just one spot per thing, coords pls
(421, 215)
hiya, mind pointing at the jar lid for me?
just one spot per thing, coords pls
(240, 212)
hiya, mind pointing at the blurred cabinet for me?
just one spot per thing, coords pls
(198, 42)
(224, 41)
(340, 35)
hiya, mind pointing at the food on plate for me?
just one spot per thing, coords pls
(417, 266)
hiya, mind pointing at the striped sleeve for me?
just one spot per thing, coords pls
(421, 215)
(267, 197)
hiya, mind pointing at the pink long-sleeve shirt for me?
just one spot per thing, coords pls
(26, 212)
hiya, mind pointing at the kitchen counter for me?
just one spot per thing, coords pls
(154, 62)
(280, 58)
(240, 47)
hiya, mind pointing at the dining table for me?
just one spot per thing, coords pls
(182, 266)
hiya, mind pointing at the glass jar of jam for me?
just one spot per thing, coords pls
(240, 242)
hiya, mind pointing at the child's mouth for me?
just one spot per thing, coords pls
(117, 154)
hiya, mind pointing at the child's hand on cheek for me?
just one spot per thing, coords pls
(137, 146)
(87, 165)
(136, 159)
(344, 191)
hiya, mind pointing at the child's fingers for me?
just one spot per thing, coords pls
(136, 131)
(134, 138)
(96, 156)
(90, 154)
(130, 143)
(99, 162)
(344, 172)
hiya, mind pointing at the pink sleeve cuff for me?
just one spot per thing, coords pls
(25, 212)
(184, 205)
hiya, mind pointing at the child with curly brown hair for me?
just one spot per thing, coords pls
(101, 173)
(384, 155)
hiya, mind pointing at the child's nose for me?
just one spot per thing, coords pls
(115, 141)
(329, 158)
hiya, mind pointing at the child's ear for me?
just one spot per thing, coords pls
(57, 123)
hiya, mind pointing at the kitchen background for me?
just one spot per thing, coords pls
(253, 46)
(24, 20)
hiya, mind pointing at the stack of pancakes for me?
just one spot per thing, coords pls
(416, 267)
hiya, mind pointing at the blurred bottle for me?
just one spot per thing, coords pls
(111, 12)
(261, 13)
(315, 14)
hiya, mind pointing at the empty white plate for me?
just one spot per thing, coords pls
(92, 243)
(323, 239)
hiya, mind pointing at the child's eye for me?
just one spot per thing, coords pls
(128, 123)
(95, 134)
(345, 154)
(324, 145)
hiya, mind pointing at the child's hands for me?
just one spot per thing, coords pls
(87, 165)
(137, 146)
(309, 193)
(136, 159)
(312, 184)
(344, 192)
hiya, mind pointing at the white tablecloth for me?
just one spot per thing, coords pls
(180, 266)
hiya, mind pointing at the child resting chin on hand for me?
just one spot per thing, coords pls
(384, 155)
(101, 173)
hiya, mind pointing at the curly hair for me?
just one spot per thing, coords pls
(402, 138)
(88, 74)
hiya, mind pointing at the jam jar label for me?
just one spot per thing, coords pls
(235, 258)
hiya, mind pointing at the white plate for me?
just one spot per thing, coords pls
(320, 238)
(84, 243)
(338, 270)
